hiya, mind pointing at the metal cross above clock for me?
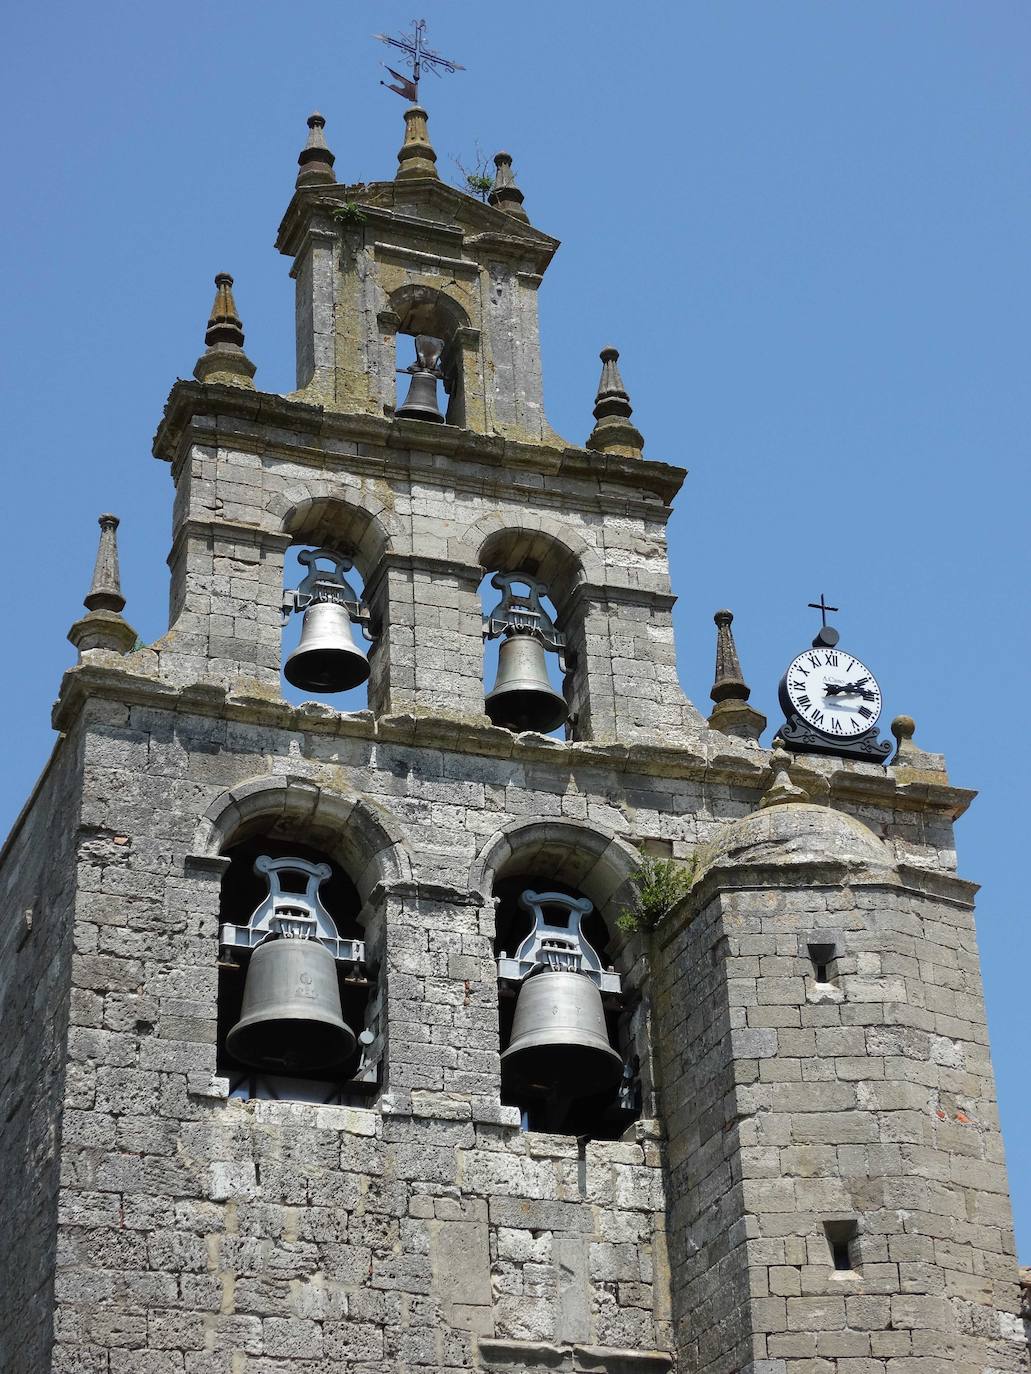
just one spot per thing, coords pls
(831, 700)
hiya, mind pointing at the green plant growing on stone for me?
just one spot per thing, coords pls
(658, 885)
(478, 181)
(350, 214)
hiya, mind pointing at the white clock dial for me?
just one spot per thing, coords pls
(833, 692)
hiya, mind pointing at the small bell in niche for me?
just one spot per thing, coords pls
(326, 659)
(425, 372)
(522, 697)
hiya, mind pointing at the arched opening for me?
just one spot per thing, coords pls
(529, 575)
(429, 348)
(524, 655)
(302, 865)
(330, 631)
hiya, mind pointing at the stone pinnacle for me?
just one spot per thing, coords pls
(416, 157)
(224, 360)
(315, 159)
(732, 715)
(103, 627)
(613, 432)
(505, 194)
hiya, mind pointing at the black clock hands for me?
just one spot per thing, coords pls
(848, 689)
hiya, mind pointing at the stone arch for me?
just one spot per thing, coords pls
(593, 859)
(424, 309)
(534, 543)
(357, 522)
(356, 834)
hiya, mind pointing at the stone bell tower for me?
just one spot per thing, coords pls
(417, 1037)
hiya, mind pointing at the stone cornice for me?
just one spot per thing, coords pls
(708, 758)
(811, 874)
(451, 217)
(395, 445)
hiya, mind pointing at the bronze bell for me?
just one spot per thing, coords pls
(421, 401)
(326, 658)
(291, 1021)
(559, 1042)
(523, 697)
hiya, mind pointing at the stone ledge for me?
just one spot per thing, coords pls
(399, 442)
(704, 758)
(533, 1355)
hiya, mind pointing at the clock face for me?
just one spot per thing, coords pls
(833, 692)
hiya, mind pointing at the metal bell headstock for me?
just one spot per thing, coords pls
(425, 372)
(556, 941)
(326, 585)
(522, 613)
(292, 915)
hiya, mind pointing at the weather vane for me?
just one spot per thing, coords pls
(420, 56)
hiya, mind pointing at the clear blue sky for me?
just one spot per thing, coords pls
(805, 225)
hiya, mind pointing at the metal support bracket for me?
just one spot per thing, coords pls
(522, 613)
(557, 942)
(327, 584)
(291, 915)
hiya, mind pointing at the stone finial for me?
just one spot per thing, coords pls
(782, 790)
(505, 194)
(613, 432)
(909, 755)
(416, 157)
(315, 160)
(105, 593)
(103, 627)
(732, 715)
(224, 360)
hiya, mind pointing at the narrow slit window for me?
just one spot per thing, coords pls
(843, 1243)
(821, 957)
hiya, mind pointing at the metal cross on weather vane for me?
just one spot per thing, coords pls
(823, 608)
(412, 45)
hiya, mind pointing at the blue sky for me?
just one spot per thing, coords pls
(804, 224)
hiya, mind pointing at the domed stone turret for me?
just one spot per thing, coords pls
(802, 832)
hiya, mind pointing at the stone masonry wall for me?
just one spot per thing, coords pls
(37, 898)
(207, 1235)
(867, 1099)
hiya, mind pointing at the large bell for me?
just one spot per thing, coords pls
(522, 697)
(326, 658)
(559, 1043)
(421, 401)
(291, 1020)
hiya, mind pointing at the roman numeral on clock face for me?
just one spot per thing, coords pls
(804, 701)
(865, 712)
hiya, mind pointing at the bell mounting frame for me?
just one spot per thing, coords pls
(291, 915)
(327, 585)
(559, 944)
(519, 613)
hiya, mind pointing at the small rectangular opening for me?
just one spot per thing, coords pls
(821, 957)
(843, 1243)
